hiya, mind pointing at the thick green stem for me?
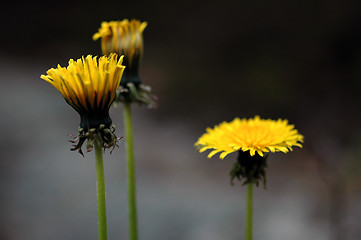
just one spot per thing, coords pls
(102, 215)
(133, 231)
(249, 211)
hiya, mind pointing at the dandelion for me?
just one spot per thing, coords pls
(89, 86)
(126, 38)
(254, 135)
(253, 139)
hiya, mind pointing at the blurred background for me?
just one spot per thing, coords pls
(207, 62)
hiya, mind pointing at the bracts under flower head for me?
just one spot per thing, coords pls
(89, 85)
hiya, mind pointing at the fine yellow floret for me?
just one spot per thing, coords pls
(122, 37)
(253, 135)
(88, 84)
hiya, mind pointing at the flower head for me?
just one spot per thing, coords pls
(255, 135)
(89, 85)
(124, 38)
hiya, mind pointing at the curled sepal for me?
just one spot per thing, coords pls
(141, 94)
(103, 135)
(249, 169)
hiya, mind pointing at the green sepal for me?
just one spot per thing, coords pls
(249, 169)
(104, 136)
(141, 94)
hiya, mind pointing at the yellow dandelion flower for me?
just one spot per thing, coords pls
(255, 135)
(89, 85)
(124, 38)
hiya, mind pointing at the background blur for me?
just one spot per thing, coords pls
(207, 62)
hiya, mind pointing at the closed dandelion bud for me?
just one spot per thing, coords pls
(89, 85)
(124, 38)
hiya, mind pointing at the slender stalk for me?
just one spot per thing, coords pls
(133, 231)
(102, 215)
(249, 211)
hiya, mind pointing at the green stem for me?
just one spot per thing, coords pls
(249, 211)
(102, 215)
(133, 234)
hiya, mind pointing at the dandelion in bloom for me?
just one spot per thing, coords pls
(252, 138)
(89, 85)
(254, 135)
